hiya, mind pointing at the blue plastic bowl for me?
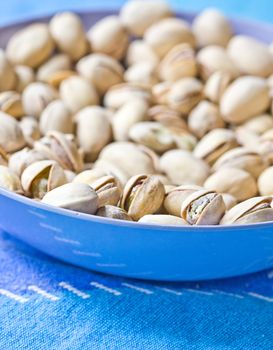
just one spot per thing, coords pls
(138, 250)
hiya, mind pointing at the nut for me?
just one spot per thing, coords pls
(165, 220)
(20, 160)
(216, 85)
(265, 183)
(112, 212)
(11, 136)
(142, 73)
(139, 51)
(24, 76)
(229, 200)
(167, 117)
(7, 74)
(57, 63)
(30, 129)
(89, 176)
(11, 103)
(3, 157)
(259, 124)
(9, 180)
(108, 190)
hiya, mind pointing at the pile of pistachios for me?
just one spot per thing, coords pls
(141, 116)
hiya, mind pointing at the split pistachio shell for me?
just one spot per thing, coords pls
(3, 157)
(101, 70)
(139, 51)
(30, 129)
(137, 16)
(251, 211)
(112, 212)
(57, 63)
(165, 220)
(7, 73)
(247, 138)
(182, 138)
(110, 168)
(216, 85)
(24, 76)
(160, 92)
(109, 36)
(242, 158)
(11, 103)
(70, 175)
(73, 196)
(55, 79)
(265, 146)
(20, 160)
(251, 57)
(89, 176)
(236, 182)
(142, 73)
(142, 195)
(11, 136)
(246, 97)
(93, 130)
(229, 200)
(41, 177)
(259, 124)
(211, 27)
(30, 46)
(203, 208)
(36, 97)
(56, 116)
(265, 183)
(167, 33)
(214, 144)
(178, 63)
(204, 118)
(183, 168)
(67, 31)
(107, 189)
(9, 180)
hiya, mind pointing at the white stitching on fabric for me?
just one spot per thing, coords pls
(168, 290)
(259, 296)
(198, 291)
(105, 288)
(13, 296)
(139, 289)
(228, 294)
(43, 293)
(74, 290)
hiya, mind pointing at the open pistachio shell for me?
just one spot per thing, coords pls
(165, 220)
(20, 160)
(3, 157)
(108, 190)
(113, 212)
(9, 180)
(11, 136)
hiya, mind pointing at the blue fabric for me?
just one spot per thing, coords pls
(47, 305)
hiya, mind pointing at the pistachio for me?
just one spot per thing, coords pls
(57, 78)
(137, 16)
(9, 180)
(167, 33)
(247, 138)
(107, 189)
(211, 27)
(214, 58)
(112, 212)
(185, 94)
(250, 56)
(30, 129)
(20, 160)
(108, 36)
(246, 97)
(178, 63)
(204, 118)
(229, 200)
(109, 168)
(36, 97)
(11, 103)
(242, 158)
(203, 208)
(69, 175)
(89, 176)
(167, 117)
(57, 63)
(73, 196)
(41, 177)
(165, 220)
(77, 93)
(93, 130)
(182, 168)
(139, 51)
(236, 182)
(24, 76)
(183, 139)
(3, 157)
(56, 116)
(101, 70)
(259, 124)
(265, 183)
(31, 45)
(142, 195)
(68, 33)
(142, 73)
(11, 136)
(216, 85)
(251, 211)
(160, 92)
(7, 74)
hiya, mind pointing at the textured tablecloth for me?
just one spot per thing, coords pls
(48, 305)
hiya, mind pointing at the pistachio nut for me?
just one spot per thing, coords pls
(251, 211)
(265, 146)
(178, 63)
(56, 116)
(229, 200)
(57, 63)
(7, 73)
(246, 97)
(175, 197)
(77, 93)
(31, 45)
(108, 190)
(142, 195)
(216, 85)
(11, 103)
(204, 118)
(73, 196)
(57, 78)
(160, 92)
(11, 136)
(89, 176)
(203, 208)
(139, 51)
(165, 220)
(183, 139)
(167, 116)
(119, 94)
(24, 76)
(137, 16)
(185, 94)
(247, 138)
(112, 212)
(242, 158)
(126, 116)
(93, 130)
(236, 182)
(265, 183)
(30, 129)
(101, 70)
(142, 73)
(214, 144)
(167, 33)
(68, 33)
(214, 58)
(211, 27)
(61, 148)
(250, 56)
(70, 175)
(36, 97)
(109, 36)
(109, 168)
(183, 168)
(9, 180)
(41, 177)
(3, 157)
(260, 124)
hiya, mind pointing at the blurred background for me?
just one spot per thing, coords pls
(12, 10)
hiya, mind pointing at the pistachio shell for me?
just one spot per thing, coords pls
(89, 176)
(57, 63)
(165, 220)
(24, 76)
(229, 200)
(9, 180)
(167, 117)
(259, 124)
(20, 160)
(11, 103)
(112, 212)
(161, 91)
(3, 157)
(107, 189)
(139, 51)
(7, 74)
(11, 136)
(265, 183)
(216, 85)
(30, 129)
(142, 73)
(56, 78)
